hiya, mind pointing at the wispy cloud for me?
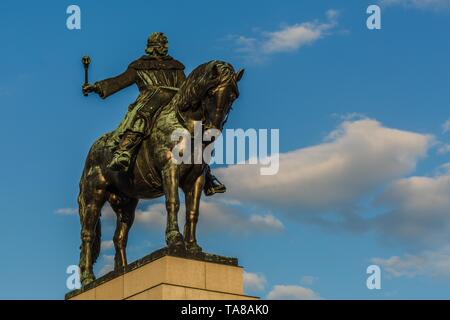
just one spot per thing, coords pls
(292, 292)
(446, 126)
(217, 215)
(66, 211)
(266, 221)
(224, 215)
(308, 280)
(443, 148)
(417, 209)
(287, 39)
(107, 264)
(153, 215)
(433, 263)
(418, 4)
(258, 282)
(254, 281)
(107, 245)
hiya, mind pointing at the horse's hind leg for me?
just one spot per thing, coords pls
(124, 209)
(90, 201)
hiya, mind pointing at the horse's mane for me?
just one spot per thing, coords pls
(199, 81)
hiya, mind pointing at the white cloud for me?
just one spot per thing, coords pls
(427, 263)
(331, 184)
(154, 215)
(107, 211)
(254, 281)
(221, 216)
(417, 209)
(287, 39)
(107, 245)
(443, 148)
(446, 126)
(294, 37)
(308, 280)
(216, 215)
(330, 179)
(292, 292)
(418, 4)
(108, 264)
(332, 14)
(266, 221)
(66, 211)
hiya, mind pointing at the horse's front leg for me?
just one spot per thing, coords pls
(170, 177)
(192, 198)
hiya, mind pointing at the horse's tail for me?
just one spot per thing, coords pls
(97, 241)
(95, 252)
(82, 200)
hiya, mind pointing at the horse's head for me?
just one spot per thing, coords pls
(209, 92)
(217, 102)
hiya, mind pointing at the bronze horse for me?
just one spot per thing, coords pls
(206, 96)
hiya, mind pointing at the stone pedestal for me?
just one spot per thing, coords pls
(167, 276)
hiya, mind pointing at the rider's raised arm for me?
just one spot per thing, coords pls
(109, 86)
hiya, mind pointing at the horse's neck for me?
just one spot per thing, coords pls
(171, 118)
(166, 121)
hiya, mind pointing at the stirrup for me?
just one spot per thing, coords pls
(211, 190)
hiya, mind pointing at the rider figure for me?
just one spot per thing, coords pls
(158, 77)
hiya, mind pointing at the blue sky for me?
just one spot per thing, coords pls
(364, 157)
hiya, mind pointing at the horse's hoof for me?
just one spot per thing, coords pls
(175, 241)
(193, 248)
(177, 249)
(119, 269)
(87, 280)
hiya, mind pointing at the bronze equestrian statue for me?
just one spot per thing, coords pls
(158, 77)
(136, 161)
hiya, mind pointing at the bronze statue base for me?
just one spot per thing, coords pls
(165, 275)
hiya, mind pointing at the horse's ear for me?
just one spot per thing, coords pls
(214, 71)
(239, 74)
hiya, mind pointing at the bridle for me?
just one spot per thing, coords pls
(204, 112)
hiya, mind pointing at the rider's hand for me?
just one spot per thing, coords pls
(87, 88)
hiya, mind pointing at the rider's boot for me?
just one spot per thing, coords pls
(125, 152)
(212, 184)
